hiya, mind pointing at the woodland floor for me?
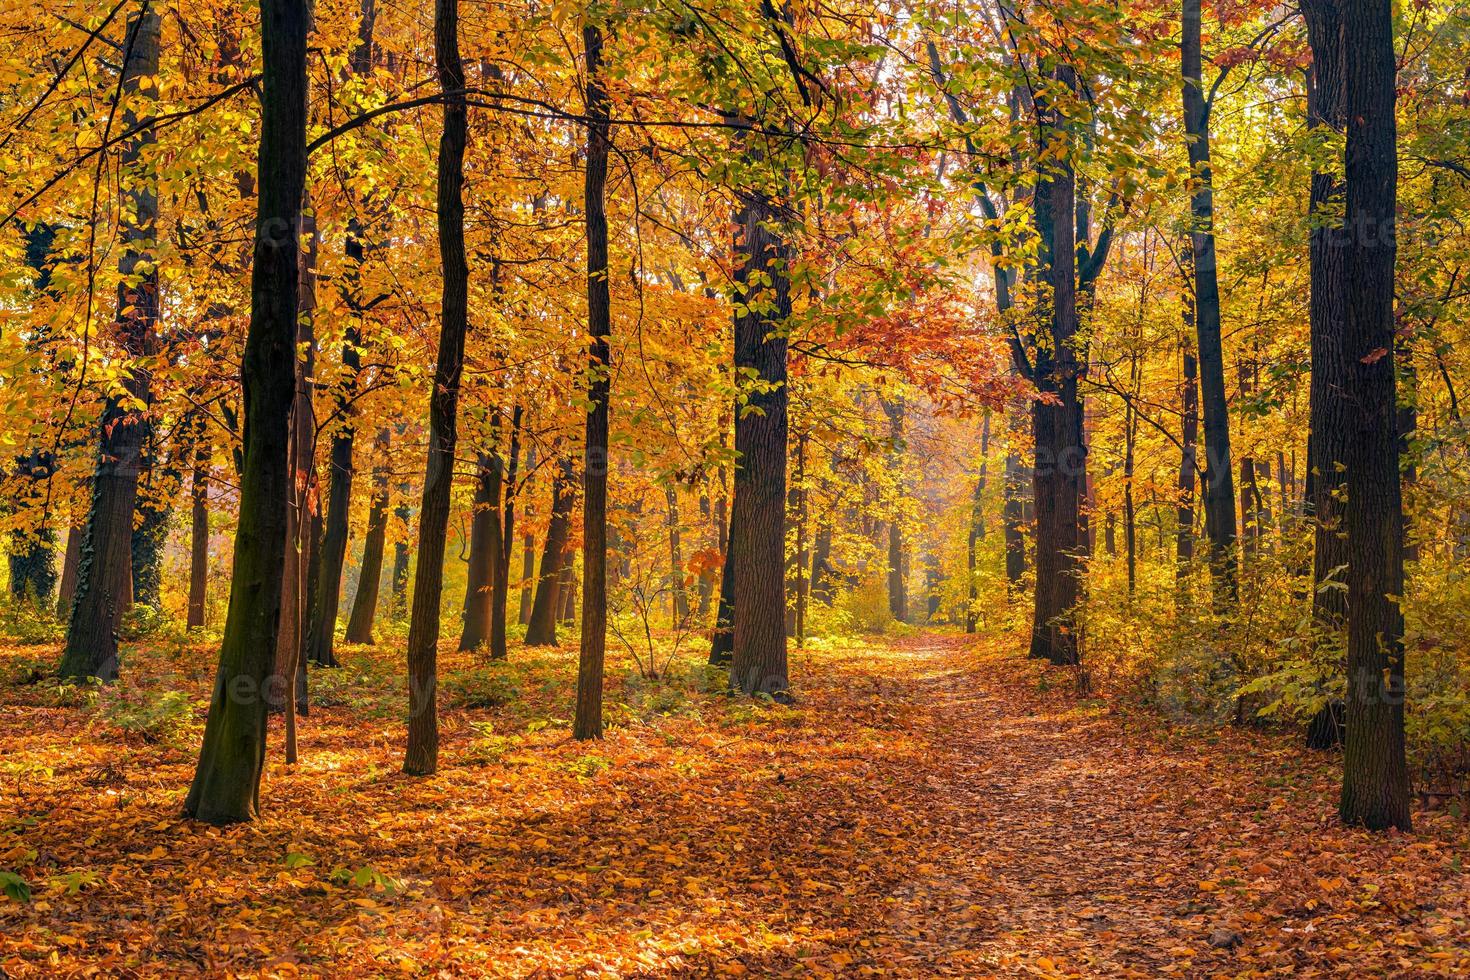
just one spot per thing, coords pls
(935, 806)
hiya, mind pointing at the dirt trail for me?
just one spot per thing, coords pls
(1098, 844)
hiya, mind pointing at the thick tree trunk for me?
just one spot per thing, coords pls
(1219, 489)
(758, 517)
(421, 755)
(1375, 787)
(546, 609)
(104, 573)
(1057, 424)
(365, 603)
(226, 785)
(587, 722)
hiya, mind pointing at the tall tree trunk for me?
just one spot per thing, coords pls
(199, 538)
(485, 545)
(758, 517)
(546, 609)
(421, 756)
(402, 557)
(287, 686)
(1322, 500)
(678, 595)
(587, 722)
(500, 586)
(365, 603)
(898, 600)
(528, 577)
(1189, 429)
(226, 786)
(1375, 786)
(977, 532)
(104, 574)
(802, 586)
(1013, 518)
(1057, 424)
(1219, 489)
(333, 546)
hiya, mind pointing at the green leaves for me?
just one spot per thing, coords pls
(14, 887)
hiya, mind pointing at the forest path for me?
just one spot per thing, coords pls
(1072, 840)
(931, 806)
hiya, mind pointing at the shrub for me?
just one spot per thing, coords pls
(154, 717)
(481, 687)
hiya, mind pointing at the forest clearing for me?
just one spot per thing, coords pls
(930, 809)
(711, 487)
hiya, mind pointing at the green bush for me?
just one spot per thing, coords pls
(481, 687)
(153, 716)
(28, 624)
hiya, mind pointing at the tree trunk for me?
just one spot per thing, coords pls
(68, 590)
(678, 595)
(421, 756)
(402, 558)
(977, 532)
(1375, 787)
(758, 517)
(1322, 499)
(546, 609)
(485, 548)
(802, 557)
(365, 603)
(1013, 519)
(500, 586)
(199, 538)
(587, 722)
(104, 573)
(1057, 424)
(1189, 430)
(287, 685)
(334, 538)
(898, 600)
(1219, 489)
(226, 786)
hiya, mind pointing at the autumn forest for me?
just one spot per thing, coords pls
(709, 488)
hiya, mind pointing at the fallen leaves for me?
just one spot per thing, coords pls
(922, 813)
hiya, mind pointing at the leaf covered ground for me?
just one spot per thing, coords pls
(931, 807)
